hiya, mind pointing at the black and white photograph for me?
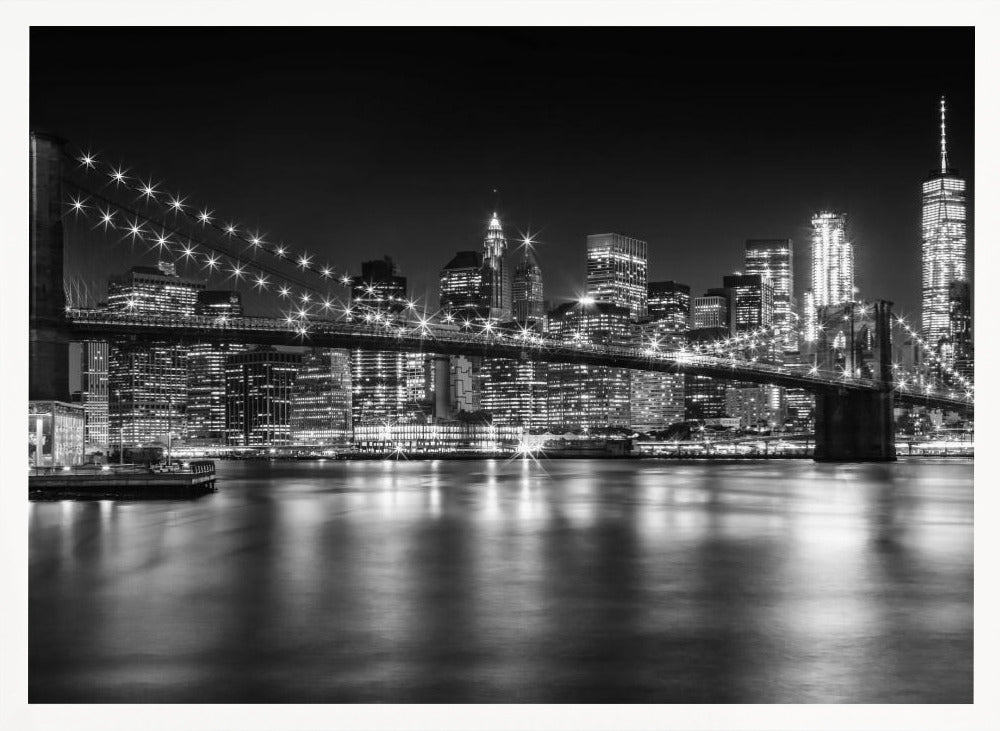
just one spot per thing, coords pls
(514, 365)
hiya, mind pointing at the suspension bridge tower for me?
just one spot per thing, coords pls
(49, 338)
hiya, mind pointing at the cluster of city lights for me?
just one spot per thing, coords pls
(149, 192)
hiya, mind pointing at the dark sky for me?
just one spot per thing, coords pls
(353, 143)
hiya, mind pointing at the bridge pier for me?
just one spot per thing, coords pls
(48, 369)
(854, 426)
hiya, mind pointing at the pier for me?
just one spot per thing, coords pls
(122, 481)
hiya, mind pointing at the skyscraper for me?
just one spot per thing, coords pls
(669, 302)
(259, 397)
(206, 389)
(616, 271)
(587, 396)
(529, 296)
(380, 378)
(832, 266)
(94, 391)
(752, 301)
(461, 294)
(772, 260)
(944, 244)
(710, 311)
(147, 382)
(496, 275)
(321, 398)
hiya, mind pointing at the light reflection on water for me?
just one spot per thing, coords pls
(568, 580)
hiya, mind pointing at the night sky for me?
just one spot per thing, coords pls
(354, 143)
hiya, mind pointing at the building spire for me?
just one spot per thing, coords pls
(944, 140)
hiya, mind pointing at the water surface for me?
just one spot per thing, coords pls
(493, 581)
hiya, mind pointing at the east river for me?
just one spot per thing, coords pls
(492, 581)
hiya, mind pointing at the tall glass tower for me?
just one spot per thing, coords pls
(943, 228)
(616, 271)
(772, 260)
(832, 267)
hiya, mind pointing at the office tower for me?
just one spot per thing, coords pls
(496, 276)
(461, 295)
(705, 397)
(529, 296)
(515, 391)
(669, 302)
(616, 271)
(206, 385)
(259, 397)
(657, 399)
(961, 356)
(321, 398)
(772, 259)
(752, 302)
(585, 396)
(943, 229)
(94, 392)
(147, 382)
(380, 378)
(832, 266)
(710, 311)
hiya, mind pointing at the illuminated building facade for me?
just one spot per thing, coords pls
(617, 271)
(464, 384)
(832, 266)
(704, 397)
(585, 396)
(259, 397)
(450, 437)
(497, 284)
(710, 311)
(752, 302)
(515, 391)
(669, 302)
(461, 294)
(944, 243)
(961, 356)
(529, 295)
(148, 382)
(321, 398)
(380, 379)
(772, 260)
(206, 389)
(94, 392)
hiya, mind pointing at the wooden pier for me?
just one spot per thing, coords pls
(122, 482)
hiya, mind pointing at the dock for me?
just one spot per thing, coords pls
(134, 482)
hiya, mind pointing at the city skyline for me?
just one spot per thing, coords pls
(861, 160)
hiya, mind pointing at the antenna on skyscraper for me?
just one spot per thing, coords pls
(944, 140)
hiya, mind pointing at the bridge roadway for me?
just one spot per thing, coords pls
(446, 339)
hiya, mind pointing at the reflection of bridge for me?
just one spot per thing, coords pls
(854, 414)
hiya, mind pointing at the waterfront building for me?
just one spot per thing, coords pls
(529, 296)
(206, 384)
(148, 382)
(321, 398)
(772, 260)
(259, 397)
(497, 284)
(586, 396)
(617, 271)
(450, 437)
(669, 302)
(832, 266)
(380, 379)
(461, 295)
(94, 393)
(944, 243)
